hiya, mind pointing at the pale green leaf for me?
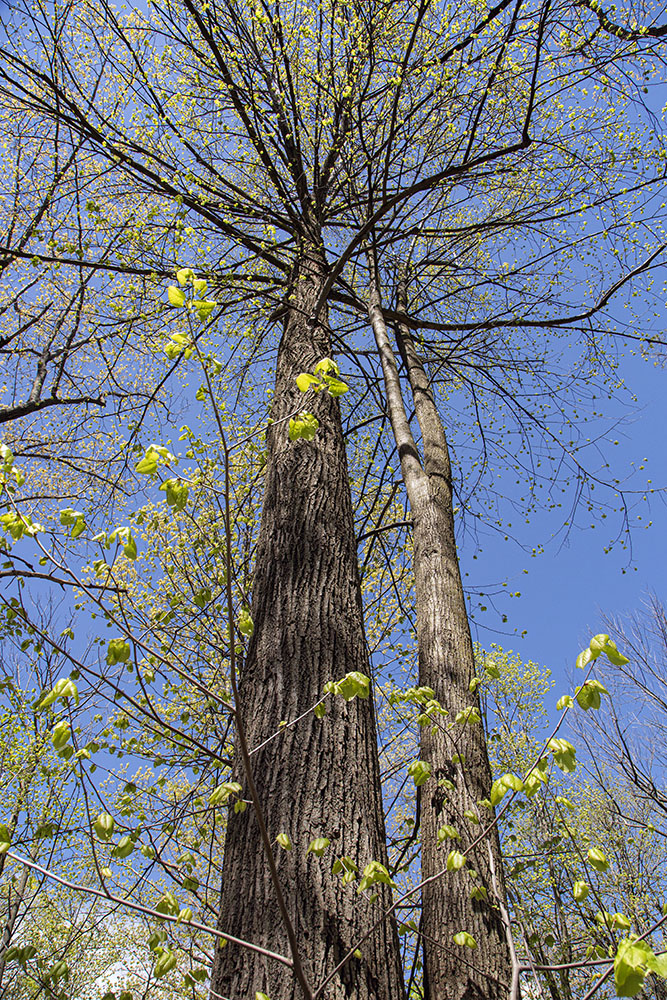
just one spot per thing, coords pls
(305, 380)
(597, 859)
(464, 939)
(185, 275)
(318, 846)
(419, 771)
(455, 861)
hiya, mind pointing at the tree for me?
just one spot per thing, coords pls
(637, 691)
(266, 173)
(568, 910)
(447, 668)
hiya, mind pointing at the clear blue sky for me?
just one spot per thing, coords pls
(567, 589)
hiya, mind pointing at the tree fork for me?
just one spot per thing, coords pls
(319, 778)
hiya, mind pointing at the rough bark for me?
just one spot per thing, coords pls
(446, 664)
(319, 778)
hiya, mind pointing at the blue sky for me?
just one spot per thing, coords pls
(569, 587)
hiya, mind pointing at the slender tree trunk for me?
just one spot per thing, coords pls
(18, 888)
(318, 778)
(460, 771)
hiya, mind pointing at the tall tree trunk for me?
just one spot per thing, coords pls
(460, 771)
(318, 778)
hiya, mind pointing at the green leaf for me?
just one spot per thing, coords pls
(157, 938)
(534, 782)
(168, 904)
(165, 963)
(353, 685)
(185, 275)
(221, 794)
(125, 537)
(501, 785)
(464, 939)
(123, 848)
(305, 380)
(566, 701)
(148, 464)
(597, 859)
(76, 519)
(335, 387)
(175, 295)
(491, 668)
(61, 734)
(261, 996)
(584, 658)
(318, 846)
(580, 891)
(64, 688)
(204, 308)
(118, 651)
(104, 826)
(455, 861)
(304, 426)
(597, 644)
(69, 516)
(172, 350)
(564, 754)
(498, 789)
(283, 840)
(327, 366)
(19, 525)
(202, 597)
(419, 771)
(468, 716)
(59, 970)
(176, 493)
(346, 867)
(588, 695)
(374, 872)
(245, 623)
(5, 839)
(658, 964)
(448, 833)
(630, 966)
(320, 710)
(613, 655)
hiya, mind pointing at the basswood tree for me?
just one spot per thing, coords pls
(457, 762)
(265, 148)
